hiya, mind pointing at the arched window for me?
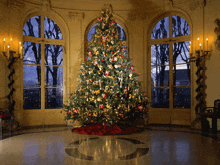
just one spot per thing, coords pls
(170, 65)
(122, 36)
(42, 64)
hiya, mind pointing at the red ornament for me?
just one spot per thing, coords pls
(123, 66)
(132, 68)
(129, 85)
(140, 108)
(91, 121)
(101, 37)
(101, 59)
(104, 95)
(95, 63)
(121, 50)
(89, 81)
(103, 124)
(90, 113)
(146, 110)
(101, 106)
(99, 19)
(90, 117)
(68, 113)
(107, 72)
(90, 53)
(114, 58)
(112, 23)
(121, 55)
(125, 90)
(144, 95)
(112, 52)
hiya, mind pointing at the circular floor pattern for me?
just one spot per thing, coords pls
(106, 149)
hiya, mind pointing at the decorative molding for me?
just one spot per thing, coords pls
(197, 4)
(74, 15)
(46, 5)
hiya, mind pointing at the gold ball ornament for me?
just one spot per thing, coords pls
(99, 99)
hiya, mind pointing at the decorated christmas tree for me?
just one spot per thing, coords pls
(108, 90)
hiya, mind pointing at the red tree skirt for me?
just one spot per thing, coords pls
(99, 129)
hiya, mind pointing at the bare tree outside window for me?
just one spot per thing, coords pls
(32, 61)
(160, 65)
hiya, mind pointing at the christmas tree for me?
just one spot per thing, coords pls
(109, 91)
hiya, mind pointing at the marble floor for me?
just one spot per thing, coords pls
(60, 146)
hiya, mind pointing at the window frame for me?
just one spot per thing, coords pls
(43, 41)
(170, 40)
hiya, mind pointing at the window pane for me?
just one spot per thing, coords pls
(51, 29)
(32, 98)
(160, 97)
(181, 75)
(181, 97)
(32, 53)
(179, 26)
(32, 27)
(53, 54)
(160, 54)
(159, 76)
(53, 76)
(91, 32)
(121, 32)
(161, 29)
(181, 52)
(53, 98)
(31, 76)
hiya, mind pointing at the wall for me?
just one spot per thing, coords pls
(137, 17)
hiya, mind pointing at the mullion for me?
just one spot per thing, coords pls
(42, 64)
(171, 100)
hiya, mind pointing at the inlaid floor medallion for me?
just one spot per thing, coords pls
(106, 149)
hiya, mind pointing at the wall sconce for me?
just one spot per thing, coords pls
(9, 52)
(199, 51)
(200, 60)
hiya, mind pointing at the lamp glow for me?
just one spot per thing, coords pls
(8, 52)
(4, 44)
(207, 44)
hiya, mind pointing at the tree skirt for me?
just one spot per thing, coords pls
(99, 129)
